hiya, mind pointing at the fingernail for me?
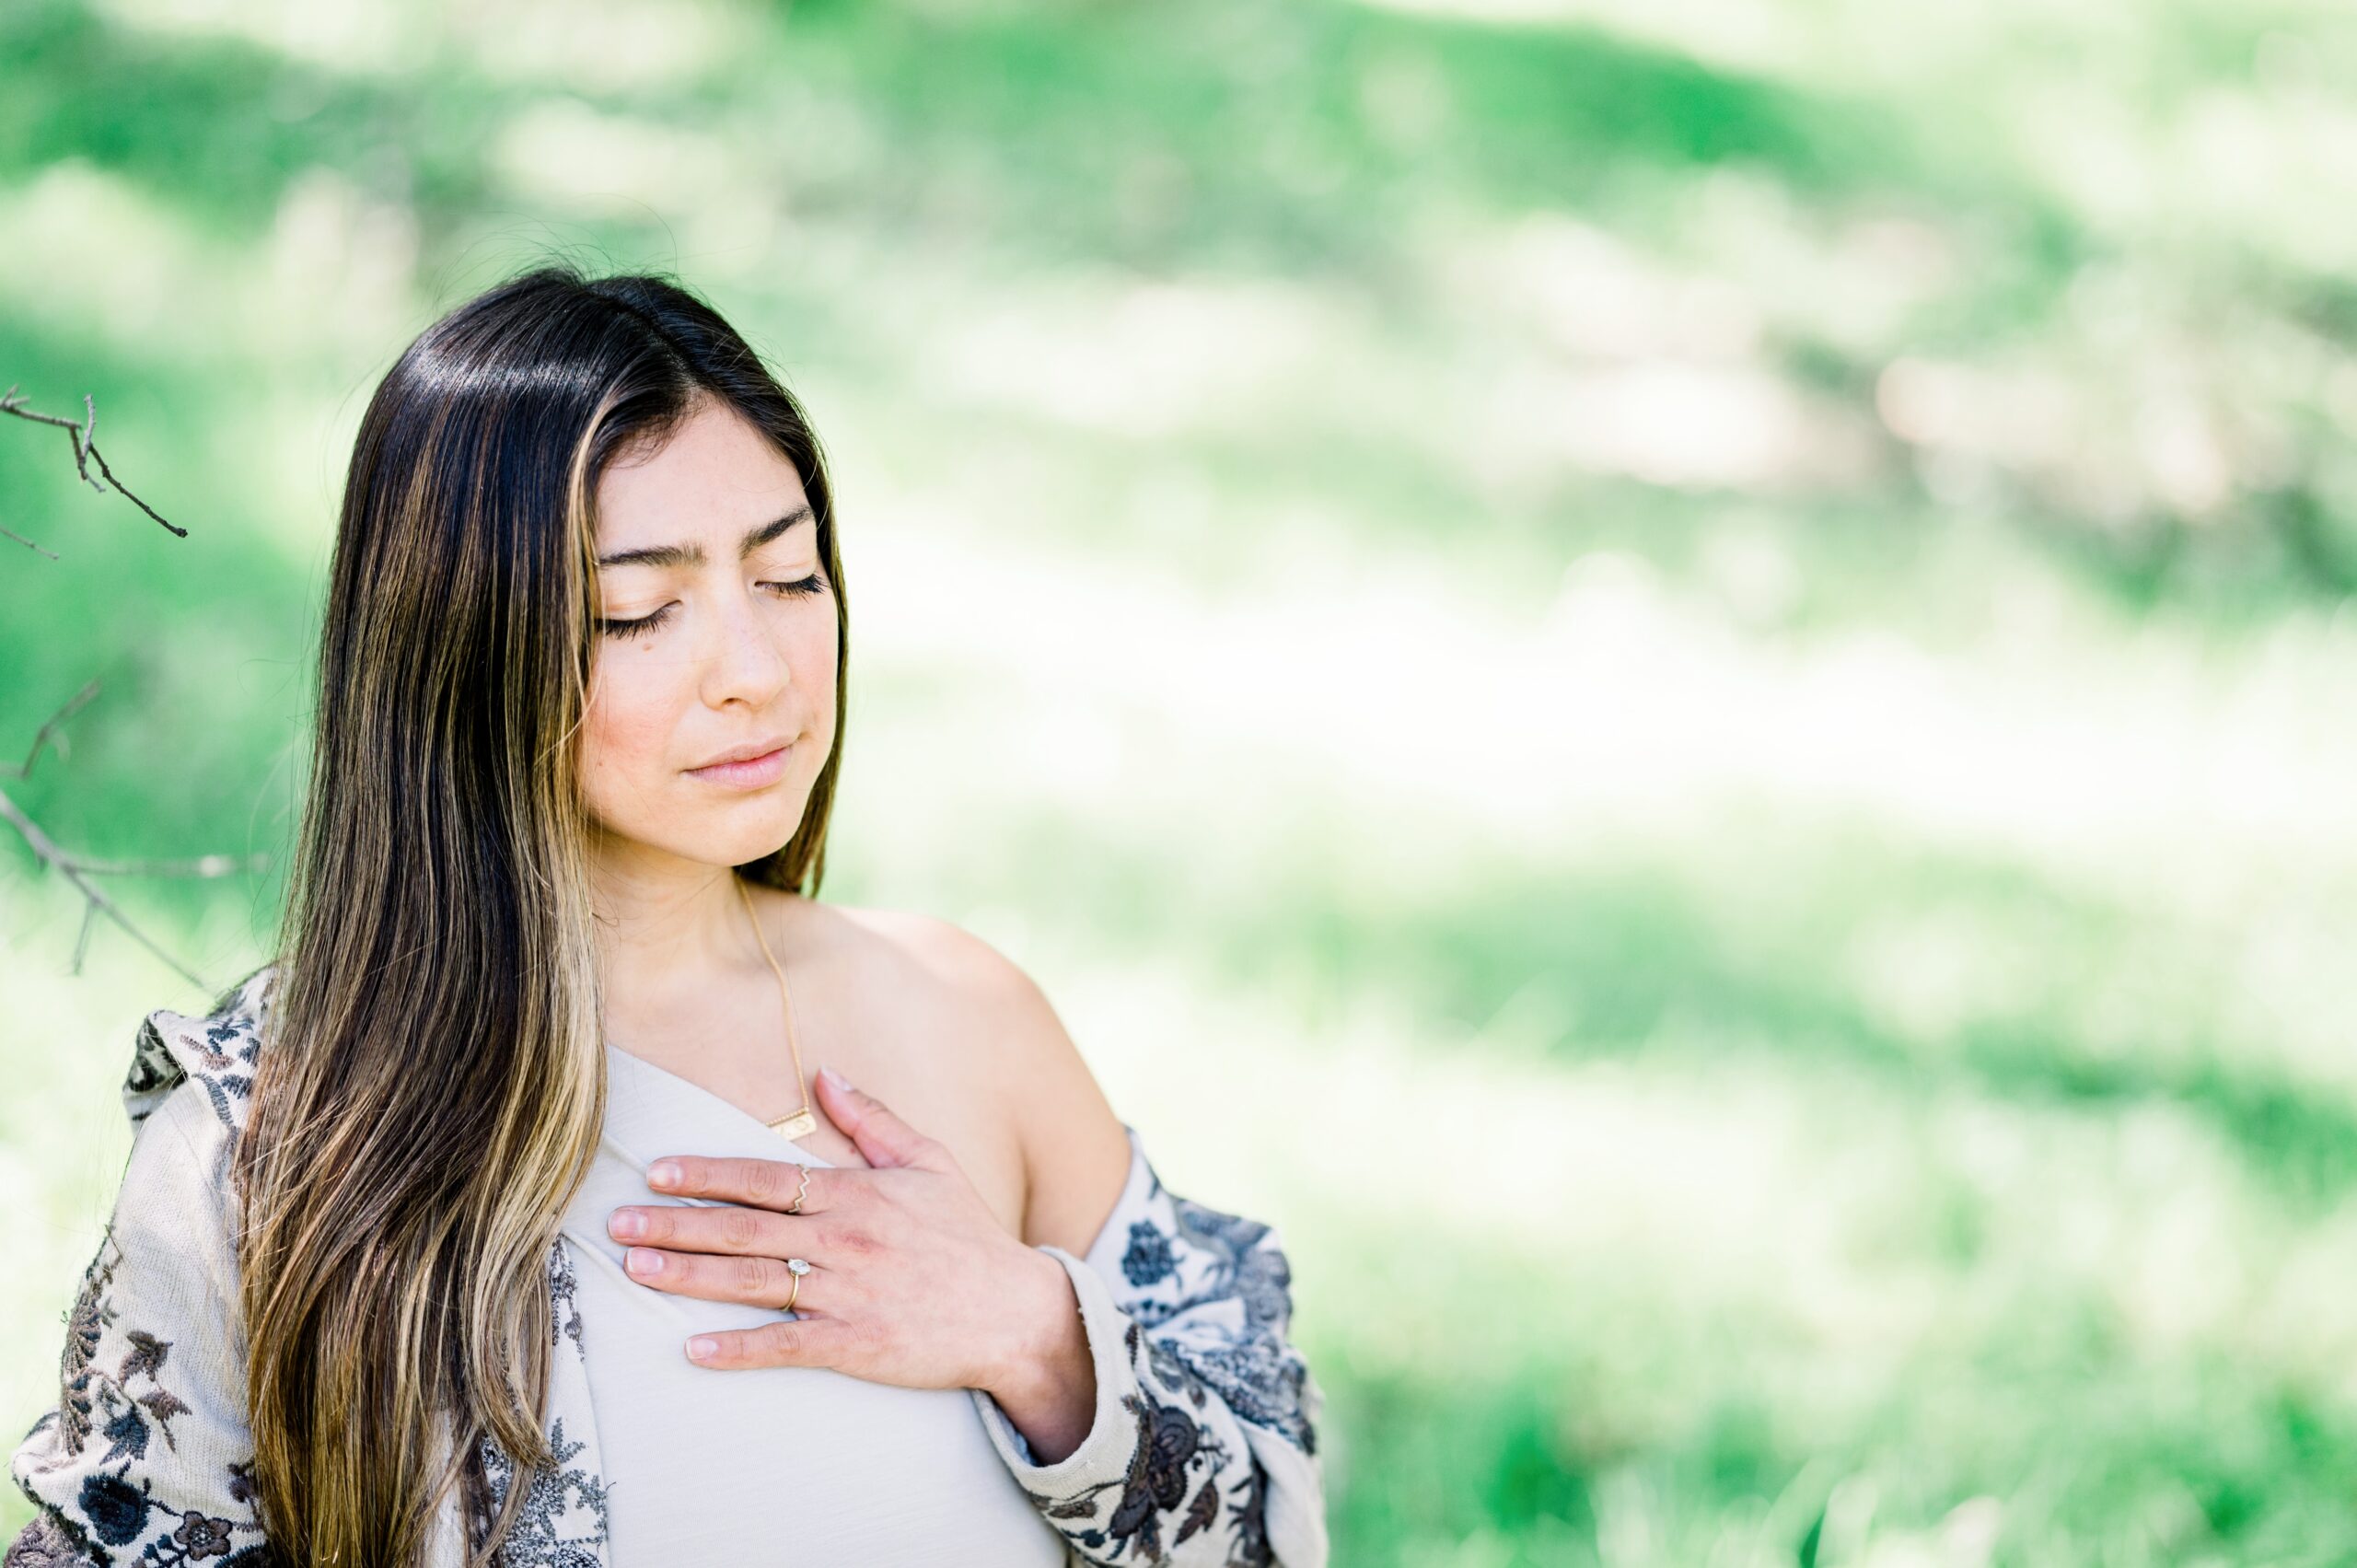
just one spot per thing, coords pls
(642, 1260)
(629, 1222)
(702, 1347)
(834, 1077)
(663, 1173)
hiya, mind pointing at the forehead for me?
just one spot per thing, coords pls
(715, 478)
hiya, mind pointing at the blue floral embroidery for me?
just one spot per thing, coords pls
(227, 1052)
(98, 1401)
(564, 1312)
(1148, 1259)
(1251, 1366)
(1171, 1447)
(538, 1539)
(51, 1541)
(1210, 1303)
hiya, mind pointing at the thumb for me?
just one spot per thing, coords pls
(883, 1138)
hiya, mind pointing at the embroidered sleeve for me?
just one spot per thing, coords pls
(145, 1458)
(1203, 1452)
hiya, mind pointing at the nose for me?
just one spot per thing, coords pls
(746, 666)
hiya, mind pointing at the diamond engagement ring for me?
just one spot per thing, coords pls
(797, 1267)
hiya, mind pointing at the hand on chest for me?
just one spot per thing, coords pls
(935, 1102)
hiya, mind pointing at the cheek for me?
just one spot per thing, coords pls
(623, 732)
(811, 652)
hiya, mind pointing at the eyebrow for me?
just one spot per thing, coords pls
(692, 554)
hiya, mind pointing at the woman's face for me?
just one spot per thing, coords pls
(716, 632)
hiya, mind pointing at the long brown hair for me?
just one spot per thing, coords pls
(434, 1078)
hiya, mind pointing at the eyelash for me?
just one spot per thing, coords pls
(814, 584)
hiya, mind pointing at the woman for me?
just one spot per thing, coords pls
(395, 1234)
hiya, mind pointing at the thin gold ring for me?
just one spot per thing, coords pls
(796, 1207)
(797, 1267)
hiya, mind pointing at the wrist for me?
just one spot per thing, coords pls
(1047, 1387)
(1050, 1348)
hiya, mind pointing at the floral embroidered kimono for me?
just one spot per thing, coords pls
(1201, 1451)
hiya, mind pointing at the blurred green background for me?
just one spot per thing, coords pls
(1675, 675)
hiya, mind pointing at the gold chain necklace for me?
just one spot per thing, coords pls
(803, 1122)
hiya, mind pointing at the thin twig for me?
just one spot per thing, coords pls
(84, 434)
(49, 853)
(202, 865)
(29, 544)
(41, 736)
(78, 871)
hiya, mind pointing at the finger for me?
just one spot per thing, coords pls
(790, 1341)
(764, 1183)
(716, 1227)
(754, 1281)
(883, 1138)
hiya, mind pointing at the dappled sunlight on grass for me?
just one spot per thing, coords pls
(1635, 701)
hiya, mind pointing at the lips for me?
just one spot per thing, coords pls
(751, 772)
(744, 753)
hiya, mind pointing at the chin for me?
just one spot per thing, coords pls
(713, 832)
(747, 836)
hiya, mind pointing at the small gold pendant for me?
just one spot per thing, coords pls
(801, 1124)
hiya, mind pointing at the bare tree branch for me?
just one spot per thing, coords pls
(78, 871)
(75, 868)
(49, 853)
(84, 434)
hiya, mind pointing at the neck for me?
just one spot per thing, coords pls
(668, 926)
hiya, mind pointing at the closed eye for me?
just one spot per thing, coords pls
(815, 583)
(802, 588)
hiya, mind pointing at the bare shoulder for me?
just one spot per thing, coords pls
(1075, 1150)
